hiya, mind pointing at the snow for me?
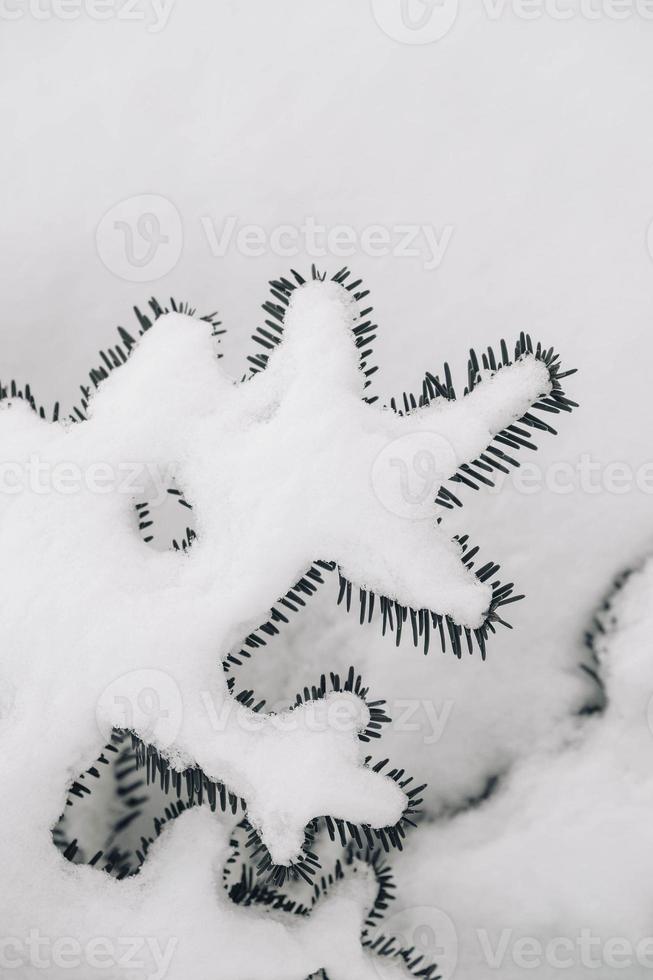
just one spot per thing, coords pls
(558, 856)
(173, 920)
(531, 140)
(147, 624)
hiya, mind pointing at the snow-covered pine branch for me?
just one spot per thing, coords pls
(281, 470)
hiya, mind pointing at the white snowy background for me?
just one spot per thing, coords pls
(526, 146)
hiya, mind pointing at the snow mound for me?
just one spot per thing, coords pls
(553, 873)
(98, 630)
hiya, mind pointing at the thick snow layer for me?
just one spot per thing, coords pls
(174, 920)
(280, 465)
(553, 874)
(528, 138)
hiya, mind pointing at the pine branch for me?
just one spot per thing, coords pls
(281, 290)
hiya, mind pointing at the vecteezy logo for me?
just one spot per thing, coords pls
(415, 21)
(426, 930)
(408, 472)
(146, 701)
(140, 239)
